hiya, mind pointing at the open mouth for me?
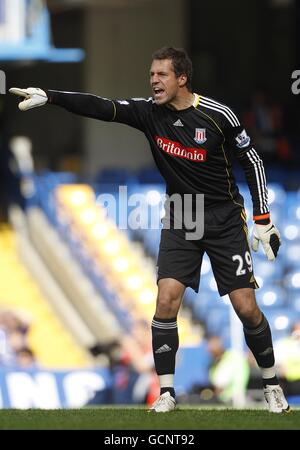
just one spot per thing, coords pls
(158, 92)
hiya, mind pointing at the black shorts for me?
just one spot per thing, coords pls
(225, 240)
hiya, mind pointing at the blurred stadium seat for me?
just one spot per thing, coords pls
(204, 301)
(268, 271)
(217, 319)
(292, 280)
(293, 207)
(191, 368)
(291, 231)
(279, 295)
(112, 175)
(150, 175)
(294, 300)
(292, 253)
(281, 320)
(276, 194)
(271, 297)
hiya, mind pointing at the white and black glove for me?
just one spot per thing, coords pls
(33, 97)
(269, 237)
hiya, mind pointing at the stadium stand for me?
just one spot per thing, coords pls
(90, 224)
(53, 346)
(117, 267)
(277, 280)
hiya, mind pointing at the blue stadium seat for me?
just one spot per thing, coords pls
(225, 335)
(151, 239)
(267, 270)
(277, 215)
(291, 231)
(294, 300)
(293, 207)
(203, 302)
(282, 305)
(150, 186)
(149, 175)
(271, 297)
(192, 368)
(208, 283)
(190, 297)
(205, 266)
(292, 280)
(292, 254)
(115, 176)
(281, 321)
(276, 194)
(216, 319)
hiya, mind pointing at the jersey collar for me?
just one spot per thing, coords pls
(196, 100)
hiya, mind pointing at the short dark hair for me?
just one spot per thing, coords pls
(180, 60)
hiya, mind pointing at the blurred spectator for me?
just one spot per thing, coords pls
(264, 120)
(12, 321)
(25, 358)
(16, 174)
(21, 166)
(13, 337)
(132, 368)
(17, 340)
(137, 348)
(229, 371)
(287, 351)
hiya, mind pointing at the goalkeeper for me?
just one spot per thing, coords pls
(191, 138)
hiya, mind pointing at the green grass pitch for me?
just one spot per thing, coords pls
(139, 419)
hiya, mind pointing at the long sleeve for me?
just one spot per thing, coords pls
(236, 139)
(130, 112)
(87, 105)
(256, 179)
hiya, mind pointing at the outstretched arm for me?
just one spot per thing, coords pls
(83, 104)
(87, 105)
(130, 112)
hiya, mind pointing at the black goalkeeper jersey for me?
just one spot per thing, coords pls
(191, 147)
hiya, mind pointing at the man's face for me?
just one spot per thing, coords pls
(163, 81)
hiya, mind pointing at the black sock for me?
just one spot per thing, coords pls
(259, 340)
(168, 389)
(270, 381)
(165, 344)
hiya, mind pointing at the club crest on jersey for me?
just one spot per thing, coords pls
(200, 135)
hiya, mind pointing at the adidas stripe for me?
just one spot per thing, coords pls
(163, 325)
(260, 179)
(227, 112)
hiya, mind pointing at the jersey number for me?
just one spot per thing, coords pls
(240, 270)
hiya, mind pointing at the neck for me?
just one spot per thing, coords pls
(182, 101)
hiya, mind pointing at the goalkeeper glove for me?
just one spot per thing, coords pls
(269, 237)
(33, 97)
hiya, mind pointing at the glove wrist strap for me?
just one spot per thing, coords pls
(263, 222)
(263, 219)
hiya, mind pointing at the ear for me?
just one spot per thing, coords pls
(182, 79)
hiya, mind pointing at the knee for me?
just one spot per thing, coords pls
(246, 308)
(167, 304)
(250, 315)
